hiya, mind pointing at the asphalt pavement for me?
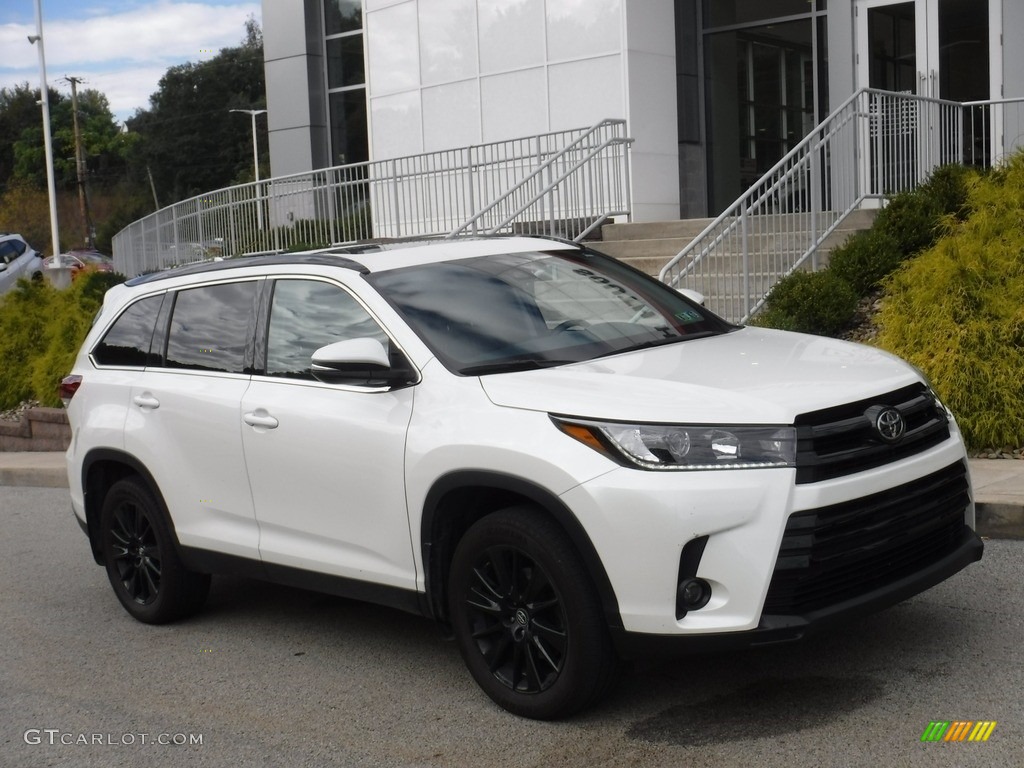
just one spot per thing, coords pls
(271, 676)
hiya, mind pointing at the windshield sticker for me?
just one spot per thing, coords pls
(688, 316)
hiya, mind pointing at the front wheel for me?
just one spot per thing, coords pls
(526, 617)
(142, 562)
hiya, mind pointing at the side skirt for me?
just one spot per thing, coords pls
(205, 561)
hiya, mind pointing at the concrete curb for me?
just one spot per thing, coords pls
(37, 477)
(999, 487)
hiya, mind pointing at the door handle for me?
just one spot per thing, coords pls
(260, 418)
(146, 401)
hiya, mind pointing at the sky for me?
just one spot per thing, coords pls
(118, 47)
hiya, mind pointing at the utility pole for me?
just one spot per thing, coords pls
(83, 197)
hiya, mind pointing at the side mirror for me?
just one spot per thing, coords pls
(359, 361)
(3, 266)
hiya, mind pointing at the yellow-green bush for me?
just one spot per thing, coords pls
(957, 311)
(41, 330)
(909, 222)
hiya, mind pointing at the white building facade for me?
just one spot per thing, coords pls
(714, 91)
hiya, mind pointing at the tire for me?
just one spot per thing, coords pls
(527, 618)
(141, 558)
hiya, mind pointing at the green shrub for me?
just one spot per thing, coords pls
(947, 188)
(818, 302)
(865, 259)
(910, 219)
(915, 220)
(957, 312)
(42, 331)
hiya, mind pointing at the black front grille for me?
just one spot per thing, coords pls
(843, 440)
(841, 552)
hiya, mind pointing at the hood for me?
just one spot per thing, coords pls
(749, 376)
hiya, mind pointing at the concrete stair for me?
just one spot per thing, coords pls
(649, 246)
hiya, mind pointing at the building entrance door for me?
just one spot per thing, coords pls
(933, 48)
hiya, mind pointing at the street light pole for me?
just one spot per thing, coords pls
(255, 159)
(44, 100)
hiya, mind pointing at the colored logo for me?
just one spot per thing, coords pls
(958, 730)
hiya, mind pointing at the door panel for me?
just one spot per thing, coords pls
(326, 463)
(183, 421)
(328, 481)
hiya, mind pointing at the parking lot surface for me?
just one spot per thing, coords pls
(272, 676)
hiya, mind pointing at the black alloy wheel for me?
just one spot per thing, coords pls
(518, 621)
(142, 559)
(135, 553)
(527, 618)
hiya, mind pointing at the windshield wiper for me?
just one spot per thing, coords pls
(512, 365)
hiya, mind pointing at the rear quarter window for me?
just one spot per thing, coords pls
(129, 340)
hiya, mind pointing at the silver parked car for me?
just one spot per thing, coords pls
(17, 259)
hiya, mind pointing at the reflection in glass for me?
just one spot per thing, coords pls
(392, 45)
(447, 33)
(209, 327)
(719, 13)
(576, 29)
(533, 310)
(349, 143)
(128, 340)
(342, 16)
(760, 102)
(307, 315)
(511, 34)
(345, 61)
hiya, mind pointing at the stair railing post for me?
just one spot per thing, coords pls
(396, 218)
(471, 182)
(744, 229)
(815, 203)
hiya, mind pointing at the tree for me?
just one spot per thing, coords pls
(190, 142)
(22, 149)
(20, 112)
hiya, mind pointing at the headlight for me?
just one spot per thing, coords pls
(693, 447)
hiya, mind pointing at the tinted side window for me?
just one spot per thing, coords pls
(7, 252)
(129, 339)
(307, 315)
(210, 327)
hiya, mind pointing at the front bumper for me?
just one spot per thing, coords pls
(770, 581)
(783, 629)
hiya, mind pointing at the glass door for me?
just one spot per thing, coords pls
(894, 43)
(933, 48)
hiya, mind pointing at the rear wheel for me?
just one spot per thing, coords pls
(142, 562)
(526, 617)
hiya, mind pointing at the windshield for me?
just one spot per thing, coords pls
(493, 314)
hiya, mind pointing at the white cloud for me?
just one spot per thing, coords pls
(124, 54)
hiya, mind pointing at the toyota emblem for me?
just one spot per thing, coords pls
(890, 425)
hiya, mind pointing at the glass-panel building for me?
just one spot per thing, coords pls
(714, 91)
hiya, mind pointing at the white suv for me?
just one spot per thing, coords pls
(17, 260)
(557, 458)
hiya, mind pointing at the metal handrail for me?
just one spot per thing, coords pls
(585, 175)
(551, 186)
(874, 144)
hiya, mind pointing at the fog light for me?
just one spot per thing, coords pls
(693, 594)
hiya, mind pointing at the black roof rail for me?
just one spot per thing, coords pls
(322, 258)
